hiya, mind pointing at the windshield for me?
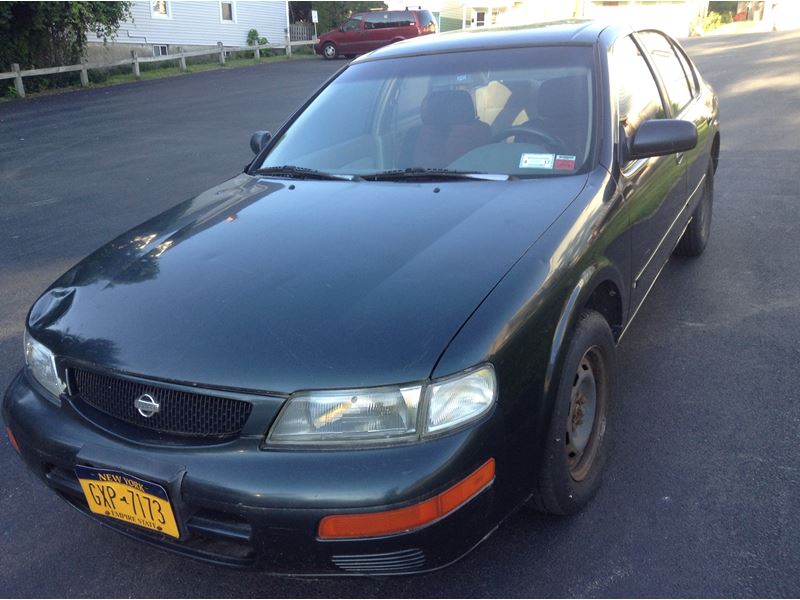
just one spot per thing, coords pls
(516, 112)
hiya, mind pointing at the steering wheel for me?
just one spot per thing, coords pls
(550, 142)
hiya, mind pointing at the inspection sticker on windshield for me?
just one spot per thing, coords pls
(565, 162)
(536, 161)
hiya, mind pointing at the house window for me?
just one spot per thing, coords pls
(160, 9)
(160, 50)
(227, 12)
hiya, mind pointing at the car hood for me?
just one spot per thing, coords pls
(277, 285)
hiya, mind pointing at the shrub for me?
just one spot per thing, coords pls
(253, 38)
(714, 19)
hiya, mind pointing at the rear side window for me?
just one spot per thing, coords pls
(690, 75)
(404, 18)
(388, 19)
(669, 67)
(638, 98)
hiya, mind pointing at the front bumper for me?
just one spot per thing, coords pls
(242, 506)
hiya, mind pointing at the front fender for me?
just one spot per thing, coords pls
(592, 278)
(523, 327)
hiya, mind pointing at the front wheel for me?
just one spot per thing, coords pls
(574, 455)
(695, 237)
(329, 51)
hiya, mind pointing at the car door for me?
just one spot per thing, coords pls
(702, 115)
(377, 30)
(683, 102)
(351, 36)
(405, 25)
(383, 28)
(652, 188)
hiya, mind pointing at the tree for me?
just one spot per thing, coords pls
(44, 34)
(333, 14)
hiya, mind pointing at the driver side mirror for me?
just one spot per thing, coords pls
(258, 140)
(662, 136)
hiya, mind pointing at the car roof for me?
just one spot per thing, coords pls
(553, 33)
(380, 12)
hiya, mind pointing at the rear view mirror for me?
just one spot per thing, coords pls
(258, 140)
(662, 136)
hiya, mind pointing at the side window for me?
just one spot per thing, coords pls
(638, 98)
(373, 21)
(405, 19)
(353, 24)
(669, 67)
(410, 96)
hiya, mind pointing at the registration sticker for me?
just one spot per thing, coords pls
(565, 162)
(536, 161)
(127, 498)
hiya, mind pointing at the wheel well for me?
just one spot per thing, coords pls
(606, 300)
(715, 151)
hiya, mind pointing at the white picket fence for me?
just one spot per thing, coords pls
(135, 60)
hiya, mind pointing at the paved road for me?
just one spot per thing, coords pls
(702, 492)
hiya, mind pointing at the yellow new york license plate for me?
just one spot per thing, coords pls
(127, 498)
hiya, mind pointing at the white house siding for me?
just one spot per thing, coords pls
(455, 14)
(198, 23)
(674, 16)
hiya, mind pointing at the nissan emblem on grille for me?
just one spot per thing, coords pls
(182, 413)
(146, 405)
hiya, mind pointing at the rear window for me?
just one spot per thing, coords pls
(426, 18)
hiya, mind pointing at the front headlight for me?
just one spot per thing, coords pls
(380, 415)
(42, 365)
(331, 417)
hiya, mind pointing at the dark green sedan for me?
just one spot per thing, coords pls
(397, 325)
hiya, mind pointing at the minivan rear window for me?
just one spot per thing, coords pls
(426, 18)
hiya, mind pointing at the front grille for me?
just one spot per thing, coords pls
(180, 413)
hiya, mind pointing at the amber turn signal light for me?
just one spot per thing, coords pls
(405, 519)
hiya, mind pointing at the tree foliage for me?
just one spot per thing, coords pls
(44, 34)
(333, 14)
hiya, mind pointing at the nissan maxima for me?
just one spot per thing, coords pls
(397, 325)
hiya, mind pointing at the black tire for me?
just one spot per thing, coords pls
(570, 476)
(695, 237)
(329, 50)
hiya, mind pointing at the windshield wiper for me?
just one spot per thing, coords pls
(295, 172)
(432, 174)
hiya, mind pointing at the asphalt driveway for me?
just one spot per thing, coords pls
(703, 486)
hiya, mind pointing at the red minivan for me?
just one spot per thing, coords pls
(364, 32)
